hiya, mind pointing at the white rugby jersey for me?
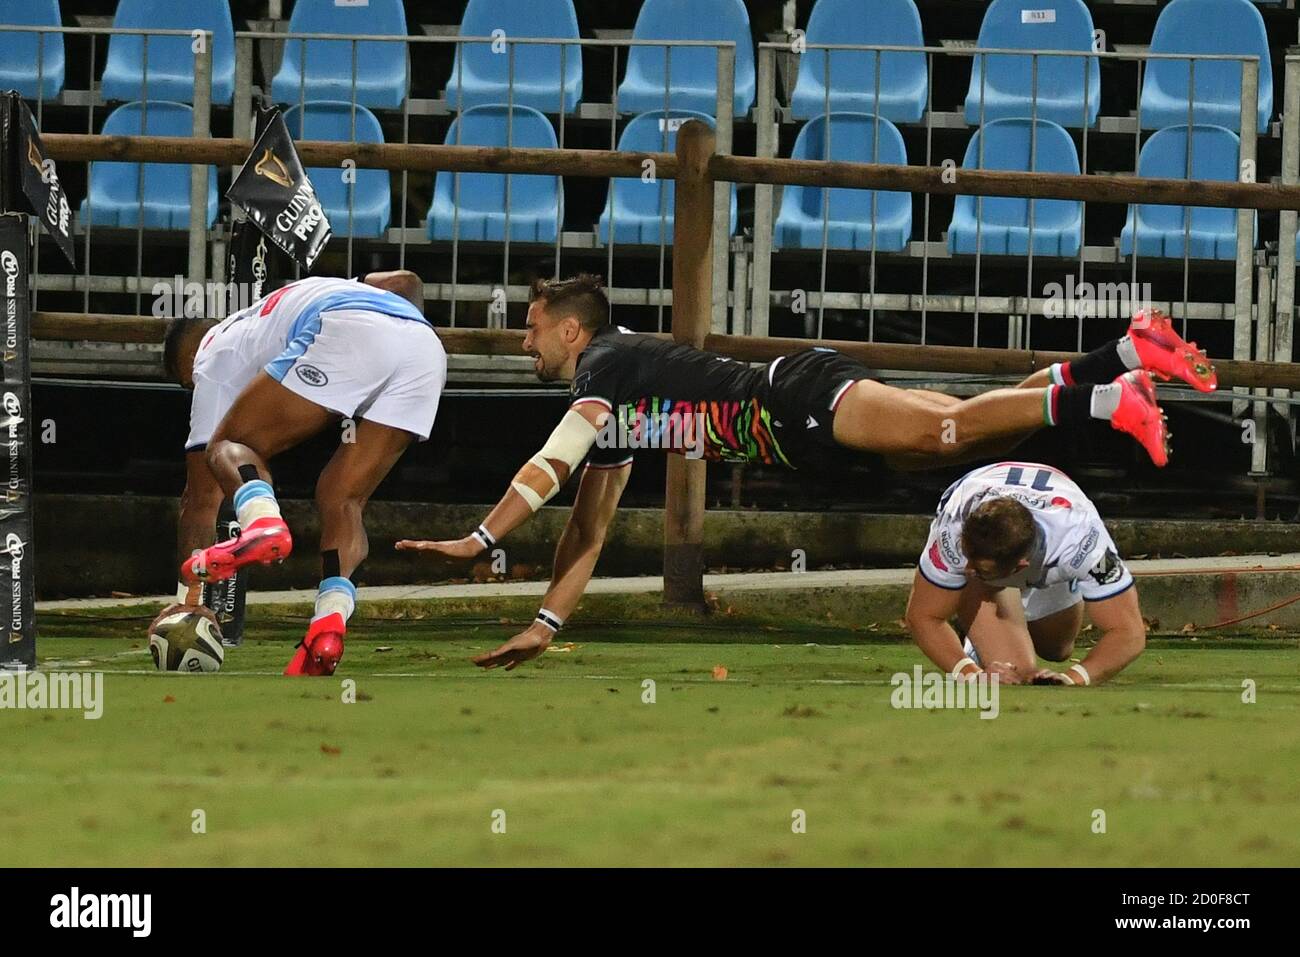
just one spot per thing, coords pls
(1072, 544)
(268, 326)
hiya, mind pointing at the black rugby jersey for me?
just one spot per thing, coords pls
(671, 396)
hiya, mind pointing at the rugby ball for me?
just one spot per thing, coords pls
(186, 641)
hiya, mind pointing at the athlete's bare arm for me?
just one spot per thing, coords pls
(1123, 637)
(929, 609)
(575, 560)
(532, 485)
(196, 525)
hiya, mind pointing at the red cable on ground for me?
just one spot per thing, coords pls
(1253, 614)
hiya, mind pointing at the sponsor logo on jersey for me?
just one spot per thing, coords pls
(935, 559)
(812, 423)
(950, 550)
(1085, 549)
(1061, 502)
(311, 375)
(580, 385)
(1109, 570)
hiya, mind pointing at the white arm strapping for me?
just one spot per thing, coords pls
(569, 443)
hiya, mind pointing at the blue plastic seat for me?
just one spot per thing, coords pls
(1065, 84)
(170, 67)
(1212, 231)
(117, 189)
(536, 204)
(19, 52)
(371, 208)
(480, 75)
(903, 80)
(635, 205)
(691, 72)
(382, 66)
(1002, 222)
(1205, 26)
(858, 138)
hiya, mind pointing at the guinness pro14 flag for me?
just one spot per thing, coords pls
(29, 182)
(273, 189)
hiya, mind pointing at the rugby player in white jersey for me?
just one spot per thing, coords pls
(273, 375)
(809, 410)
(1015, 552)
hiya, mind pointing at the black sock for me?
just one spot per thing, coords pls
(329, 563)
(249, 473)
(1098, 367)
(1069, 406)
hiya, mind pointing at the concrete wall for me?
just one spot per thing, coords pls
(95, 545)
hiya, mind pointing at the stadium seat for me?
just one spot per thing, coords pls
(903, 79)
(483, 75)
(382, 66)
(635, 205)
(1008, 81)
(117, 190)
(692, 72)
(371, 209)
(1212, 232)
(1002, 223)
(1205, 26)
(19, 52)
(536, 204)
(854, 137)
(170, 62)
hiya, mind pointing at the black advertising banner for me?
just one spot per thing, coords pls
(31, 181)
(17, 568)
(226, 597)
(255, 264)
(273, 189)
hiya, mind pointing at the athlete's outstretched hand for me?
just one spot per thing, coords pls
(466, 547)
(522, 647)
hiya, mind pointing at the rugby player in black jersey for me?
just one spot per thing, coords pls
(631, 390)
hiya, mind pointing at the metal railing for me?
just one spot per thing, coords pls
(1003, 301)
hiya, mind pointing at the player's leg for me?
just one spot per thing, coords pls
(265, 420)
(400, 407)
(1055, 615)
(996, 628)
(1054, 635)
(344, 488)
(1151, 344)
(874, 417)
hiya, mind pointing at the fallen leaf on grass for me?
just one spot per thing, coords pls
(168, 699)
(719, 673)
(567, 646)
(1187, 629)
(330, 750)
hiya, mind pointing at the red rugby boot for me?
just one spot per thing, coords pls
(1164, 353)
(265, 540)
(1138, 415)
(322, 648)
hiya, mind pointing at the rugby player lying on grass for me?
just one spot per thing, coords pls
(807, 410)
(1014, 551)
(273, 375)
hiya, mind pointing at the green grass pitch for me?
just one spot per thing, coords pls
(416, 771)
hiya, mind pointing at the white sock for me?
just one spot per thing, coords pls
(1105, 400)
(341, 600)
(1128, 353)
